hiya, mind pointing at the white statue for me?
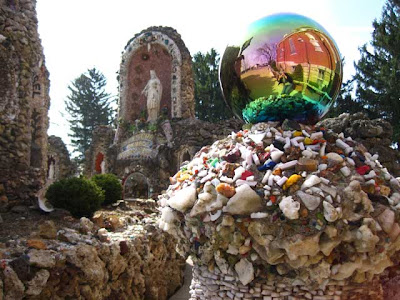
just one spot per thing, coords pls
(51, 170)
(153, 91)
(103, 167)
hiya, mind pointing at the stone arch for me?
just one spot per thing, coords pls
(165, 42)
(184, 154)
(177, 75)
(136, 185)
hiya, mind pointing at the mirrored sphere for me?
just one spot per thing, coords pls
(286, 67)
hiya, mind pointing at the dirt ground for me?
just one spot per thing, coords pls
(22, 221)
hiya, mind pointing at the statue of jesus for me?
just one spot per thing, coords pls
(153, 92)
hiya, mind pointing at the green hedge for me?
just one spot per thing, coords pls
(111, 186)
(80, 196)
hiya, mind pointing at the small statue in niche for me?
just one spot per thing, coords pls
(51, 168)
(153, 92)
(103, 167)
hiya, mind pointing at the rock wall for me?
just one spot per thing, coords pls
(59, 155)
(375, 134)
(24, 102)
(131, 259)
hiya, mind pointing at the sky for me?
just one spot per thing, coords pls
(81, 34)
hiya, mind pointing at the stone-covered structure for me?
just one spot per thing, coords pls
(145, 154)
(287, 211)
(24, 102)
(100, 156)
(59, 165)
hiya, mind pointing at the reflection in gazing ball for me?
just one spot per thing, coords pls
(286, 67)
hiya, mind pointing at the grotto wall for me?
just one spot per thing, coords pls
(24, 102)
(59, 165)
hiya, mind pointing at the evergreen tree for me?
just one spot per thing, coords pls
(210, 105)
(345, 103)
(378, 70)
(88, 106)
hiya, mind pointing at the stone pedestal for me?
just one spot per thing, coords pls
(215, 285)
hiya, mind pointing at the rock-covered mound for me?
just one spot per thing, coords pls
(293, 204)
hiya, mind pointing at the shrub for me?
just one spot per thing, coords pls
(111, 186)
(80, 196)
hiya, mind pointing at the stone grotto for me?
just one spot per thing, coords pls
(266, 211)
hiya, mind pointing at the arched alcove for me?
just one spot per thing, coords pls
(186, 156)
(99, 163)
(136, 185)
(51, 167)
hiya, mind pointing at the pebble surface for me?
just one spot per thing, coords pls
(309, 206)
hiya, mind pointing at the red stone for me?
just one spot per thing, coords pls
(246, 174)
(363, 169)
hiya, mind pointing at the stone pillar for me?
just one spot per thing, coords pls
(24, 103)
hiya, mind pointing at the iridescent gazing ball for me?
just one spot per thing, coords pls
(286, 67)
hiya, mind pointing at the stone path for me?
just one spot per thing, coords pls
(183, 292)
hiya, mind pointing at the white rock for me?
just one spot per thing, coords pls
(202, 173)
(386, 220)
(310, 201)
(341, 144)
(328, 189)
(244, 202)
(335, 157)
(310, 181)
(350, 161)
(307, 153)
(276, 155)
(217, 204)
(345, 171)
(282, 180)
(221, 262)
(215, 216)
(183, 199)
(238, 173)
(289, 165)
(266, 176)
(215, 182)
(245, 271)
(257, 138)
(395, 198)
(232, 250)
(290, 208)
(322, 150)
(226, 179)
(168, 215)
(259, 215)
(370, 175)
(317, 135)
(330, 213)
(256, 159)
